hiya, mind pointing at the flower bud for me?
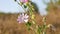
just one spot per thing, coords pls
(21, 3)
(33, 16)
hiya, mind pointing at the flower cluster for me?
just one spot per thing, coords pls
(23, 18)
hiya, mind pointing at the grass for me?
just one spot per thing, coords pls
(9, 24)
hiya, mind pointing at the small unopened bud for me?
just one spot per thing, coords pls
(33, 16)
(44, 19)
(21, 3)
(33, 22)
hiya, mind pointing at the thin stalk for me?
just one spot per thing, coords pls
(21, 6)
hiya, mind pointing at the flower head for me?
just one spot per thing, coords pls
(23, 1)
(23, 18)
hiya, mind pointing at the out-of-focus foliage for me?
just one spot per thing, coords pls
(9, 25)
(53, 4)
(35, 6)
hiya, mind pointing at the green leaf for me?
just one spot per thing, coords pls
(44, 32)
(25, 6)
(28, 24)
(39, 30)
(44, 26)
(21, 3)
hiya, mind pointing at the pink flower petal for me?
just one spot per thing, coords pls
(22, 18)
(23, 1)
(26, 20)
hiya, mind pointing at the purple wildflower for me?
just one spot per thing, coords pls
(23, 1)
(23, 18)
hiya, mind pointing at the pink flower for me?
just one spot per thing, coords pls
(23, 18)
(23, 1)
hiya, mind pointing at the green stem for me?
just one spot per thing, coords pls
(21, 6)
(44, 27)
